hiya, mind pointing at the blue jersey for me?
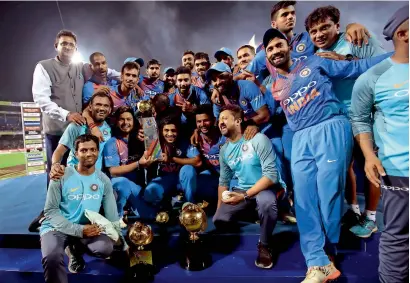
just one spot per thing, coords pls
(69, 197)
(91, 85)
(73, 131)
(196, 97)
(306, 94)
(116, 154)
(343, 87)
(209, 151)
(152, 88)
(380, 105)
(249, 161)
(178, 150)
(301, 45)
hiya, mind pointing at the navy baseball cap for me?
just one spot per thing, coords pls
(222, 51)
(139, 61)
(395, 21)
(169, 69)
(271, 34)
(219, 67)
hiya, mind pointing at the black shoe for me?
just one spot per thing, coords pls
(36, 223)
(76, 262)
(350, 218)
(264, 259)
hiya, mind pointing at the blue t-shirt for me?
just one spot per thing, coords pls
(209, 151)
(306, 94)
(116, 154)
(301, 45)
(74, 193)
(343, 87)
(380, 105)
(73, 131)
(152, 88)
(91, 85)
(180, 150)
(248, 161)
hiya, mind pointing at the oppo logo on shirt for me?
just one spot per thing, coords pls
(84, 197)
(300, 93)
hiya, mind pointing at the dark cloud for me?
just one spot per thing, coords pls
(161, 30)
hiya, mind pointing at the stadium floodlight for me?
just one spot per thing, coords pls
(252, 42)
(77, 57)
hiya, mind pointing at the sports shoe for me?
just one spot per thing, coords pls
(365, 228)
(264, 259)
(76, 262)
(350, 218)
(321, 274)
(36, 223)
(288, 218)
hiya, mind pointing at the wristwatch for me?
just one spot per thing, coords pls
(245, 196)
(349, 57)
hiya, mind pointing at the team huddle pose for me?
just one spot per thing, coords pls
(283, 132)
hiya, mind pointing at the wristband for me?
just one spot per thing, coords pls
(55, 164)
(92, 125)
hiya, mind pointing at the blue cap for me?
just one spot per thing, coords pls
(169, 69)
(139, 61)
(219, 67)
(271, 34)
(395, 21)
(223, 50)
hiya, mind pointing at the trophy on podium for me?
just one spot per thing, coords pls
(149, 126)
(193, 218)
(141, 268)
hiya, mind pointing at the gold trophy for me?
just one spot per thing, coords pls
(194, 220)
(141, 263)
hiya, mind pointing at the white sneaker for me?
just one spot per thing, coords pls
(314, 275)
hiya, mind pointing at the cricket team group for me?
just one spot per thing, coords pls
(266, 134)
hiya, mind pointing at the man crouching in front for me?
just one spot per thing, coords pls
(253, 162)
(66, 228)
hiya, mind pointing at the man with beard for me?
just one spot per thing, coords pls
(66, 228)
(322, 145)
(152, 85)
(202, 64)
(125, 159)
(169, 81)
(99, 78)
(380, 116)
(174, 157)
(188, 61)
(100, 108)
(253, 162)
(187, 98)
(323, 27)
(283, 18)
(205, 180)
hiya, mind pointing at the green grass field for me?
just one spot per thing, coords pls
(13, 165)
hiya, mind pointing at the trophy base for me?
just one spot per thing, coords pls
(195, 257)
(140, 273)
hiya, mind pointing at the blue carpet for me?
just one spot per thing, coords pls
(233, 254)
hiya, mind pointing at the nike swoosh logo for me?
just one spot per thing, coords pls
(400, 84)
(73, 190)
(330, 161)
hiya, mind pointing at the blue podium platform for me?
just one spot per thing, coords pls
(233, 254)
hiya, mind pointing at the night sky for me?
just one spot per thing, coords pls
(160, 30)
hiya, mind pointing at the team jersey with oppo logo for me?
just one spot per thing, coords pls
(151, 88)
(180, 151)
(73, 131)
(69, 197)
(306, 94)
(248, 160)
(116, 154)
(380, 105)
(209, 151)
(301, 45)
